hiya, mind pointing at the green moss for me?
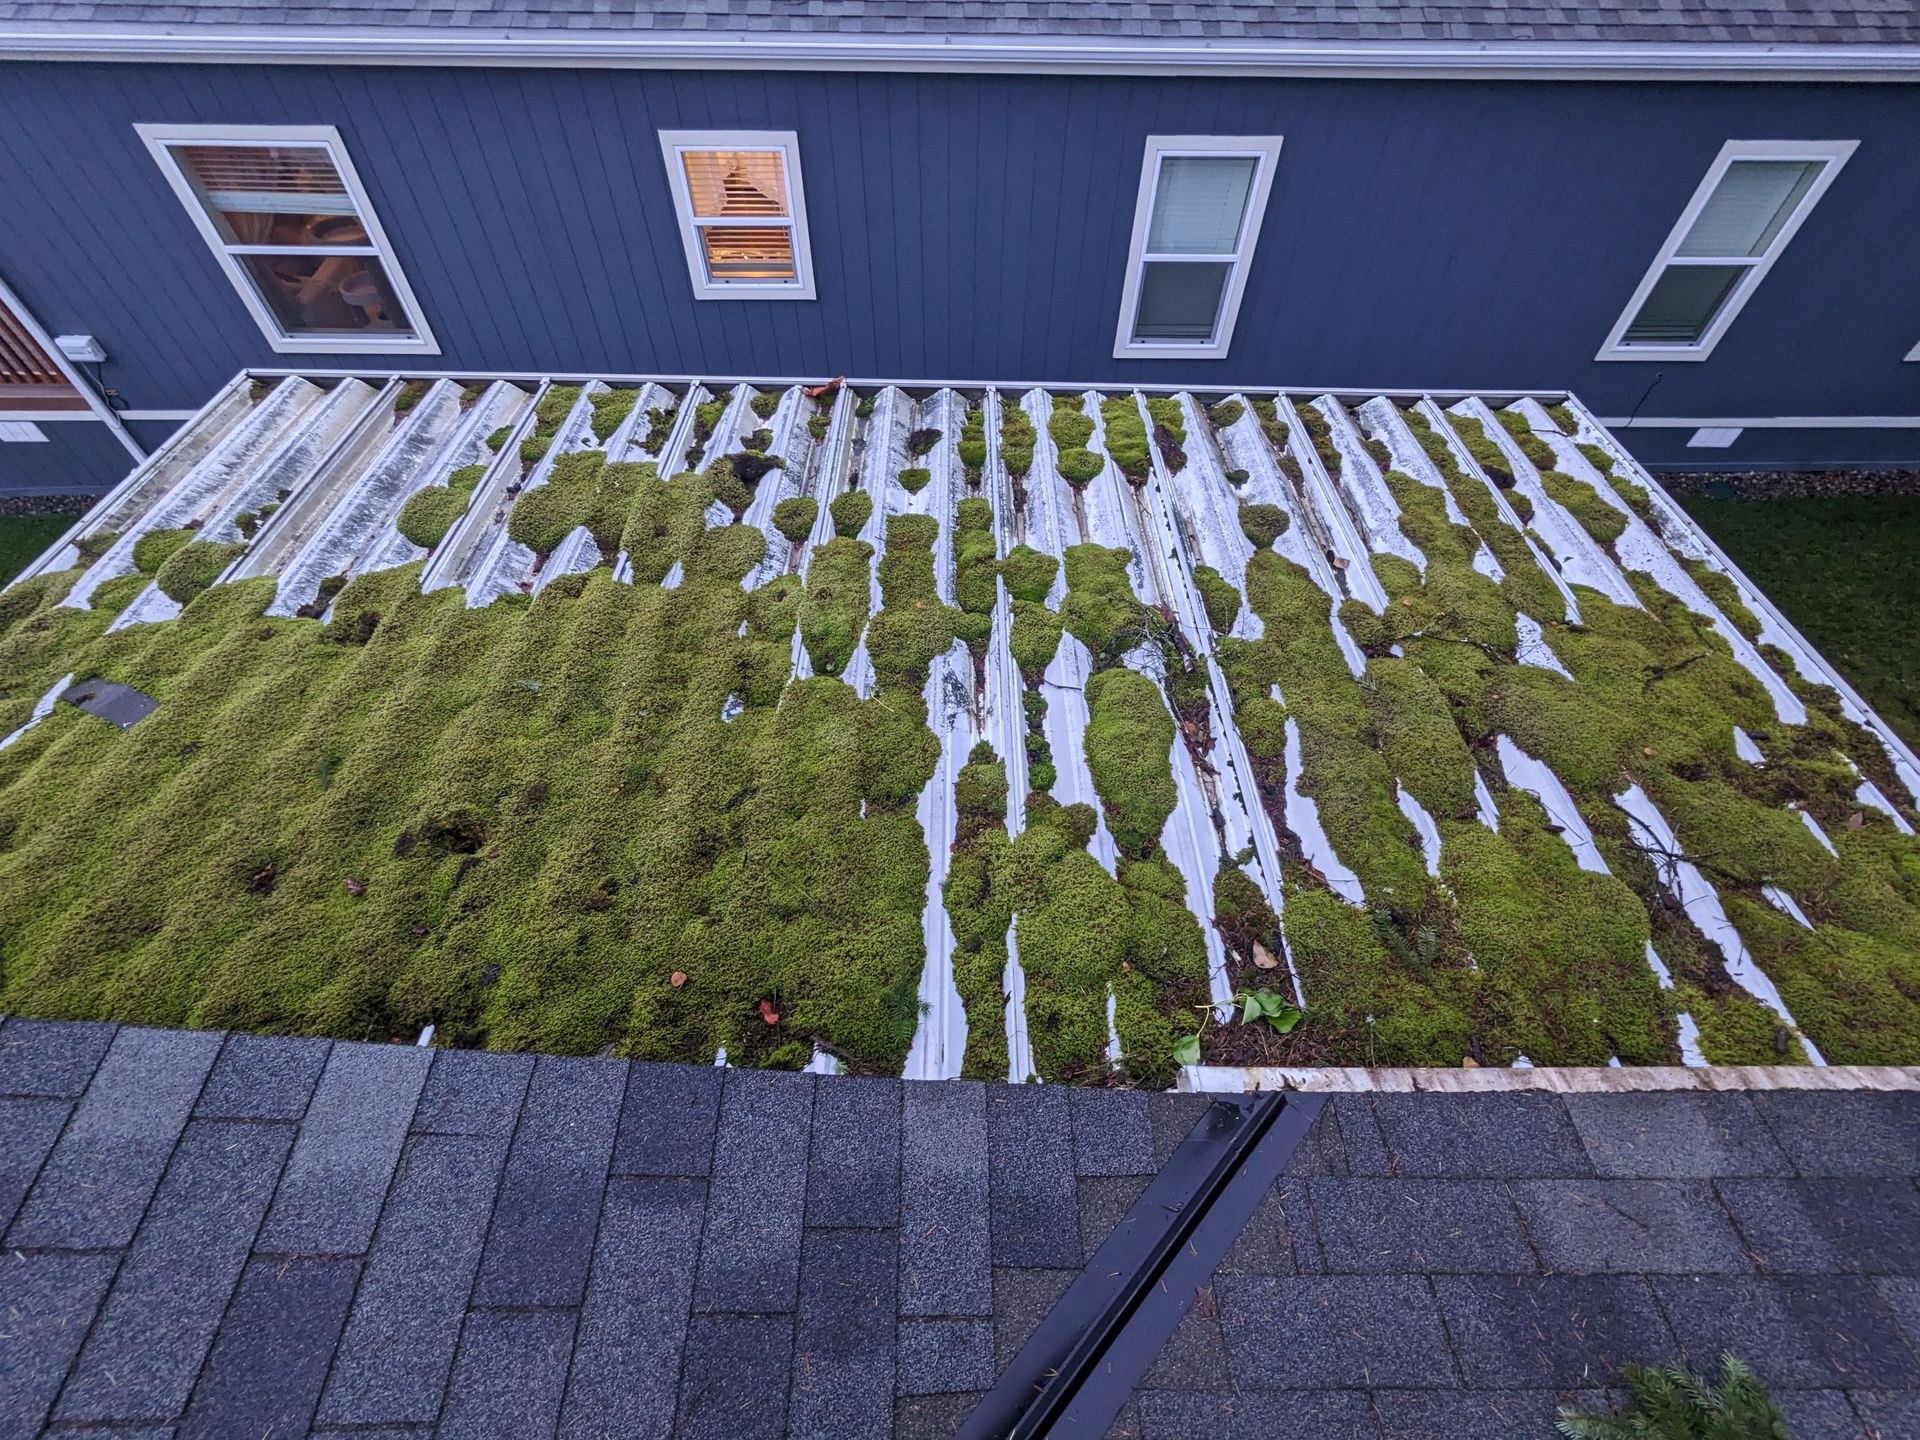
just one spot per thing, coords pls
(974, 563)
(1416, 733)
(193, 567)
(152, 549)
(581, 489)
(1226, 413)
(1077, 466)
(972, 448)
(466, 479)
(1069, 426)
(915, 478)
(850, 512)
(921, 442)
(765, 403)
(410, 395)
(1264, 524)
(1100, 608)
(1219, 596)
(818, 424)
(1034, 638)
(499, 437)
(430, 513)
(1601, 520)
(1531, 445)
(610, 410)
(534, 448)
(1562, 417)
(659, 426)
(835, 610)
(1028, 572)
(1726, 595)
(793, 517)
(1126, 437)
(1129, 740)
(1017, 440)
(913, 626)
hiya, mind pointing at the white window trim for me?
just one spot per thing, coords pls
(1914, 353)
(159, 137)
(672, 142)
(1265, 149)
(1833, 152)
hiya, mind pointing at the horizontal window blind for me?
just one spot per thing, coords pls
(1747, 208)
(728, 184)
(29, 376)
(268, 179)
(1199, 204)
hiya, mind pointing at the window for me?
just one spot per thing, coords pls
(32, 378)
(286, 215)
(1201, 199)
(1755, 195)
(743, 216)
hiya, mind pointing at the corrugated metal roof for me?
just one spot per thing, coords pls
(1758, 22)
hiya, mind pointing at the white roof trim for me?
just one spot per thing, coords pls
(1513, 59)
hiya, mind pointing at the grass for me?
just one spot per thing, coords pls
(23, 537)
(1846, 572)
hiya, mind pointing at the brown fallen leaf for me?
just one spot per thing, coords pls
(1263, 957)
(768, 1013)
(354, 887)
(1646, 749)
(677, 979)
(1856, 821)
(1467, 1062)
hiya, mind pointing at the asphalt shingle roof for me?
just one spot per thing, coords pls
(210, 1236)
(1769, 22)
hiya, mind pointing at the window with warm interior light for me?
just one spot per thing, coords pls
(290, 223)
(743, 216)
(1194, 228)
(1754, 197)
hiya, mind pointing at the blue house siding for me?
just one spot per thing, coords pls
(76, 457)
(1420, 234)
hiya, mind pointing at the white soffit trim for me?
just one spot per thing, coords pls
(1767, 422)
(1510, 59)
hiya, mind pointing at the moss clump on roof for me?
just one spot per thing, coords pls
(921, 442)
(793, 517)
(1218, 595)
(757, 442)
(850, 512)
(1320, 435)
(913, 625)
(1028, 572)
(1017, 440)
(497, 438)
(1129, 738)
(1077, 466)
(410, 395)
(1263, 524)
(915, 478)
(1126, 437)
(193, 567)
(1033, 638)
(1068, 425)
(610, 410)
(1225, 413)
(430, 513)
(581, 489)
(1169, 430)
(1101, 609)
(765, 403)
(972, 448)
(974, 563)
(151, 550)
(1601, 520)
(1531, 445)
(835, 609)
(659, 425)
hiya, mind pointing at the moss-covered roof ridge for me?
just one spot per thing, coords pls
(762, 748)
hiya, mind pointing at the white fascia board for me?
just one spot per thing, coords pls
(1510, 59)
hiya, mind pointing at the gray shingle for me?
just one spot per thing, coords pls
(472, 1092)
(667, 1122)
(1671, 1227)
(1497, 1136)
(145, 1351)
(1195, 1356)
(1212, 1415)
(1337, 1331)
(1021, 1300)
(262, 1077)
(1845, 1133)
(50, 1057)
(1675, 1136)
(1798, 1330)
(541, 1242)
(1889, 1412)
(750, 1252)
(1554, 1332)
(1450, 1414)
(1112, 1133)
(733, 1384)
(1827, 1415)
(349, 1142)
(1374, 1226)
(509, 1376)
(627, 1358)
(1173, 1118)
(1104, 1201)
(399, 1344)
(1034, 1218)
(29, 1126)
(945, 1357)
(853, 1169)
(270, 1356)
(1278, 1238)
(843, 1362)
(1823, 1226)
(944, 1263)
(46, 1304)
(931, 1417)
(96, 1184)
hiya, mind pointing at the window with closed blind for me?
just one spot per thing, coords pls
(32, 380)
(743, 216)
(1201, 201)
(286, 215)
(1755, 195)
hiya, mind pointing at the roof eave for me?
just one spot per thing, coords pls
(1046, 54)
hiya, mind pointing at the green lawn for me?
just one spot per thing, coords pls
(22, 537)
(1847, 572)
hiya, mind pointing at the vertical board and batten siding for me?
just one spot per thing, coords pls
(1420, 234)
(77, 457)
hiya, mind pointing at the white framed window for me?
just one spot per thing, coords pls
(1194, 228)
(290, 222)
(743, 213)
(1755, 196)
